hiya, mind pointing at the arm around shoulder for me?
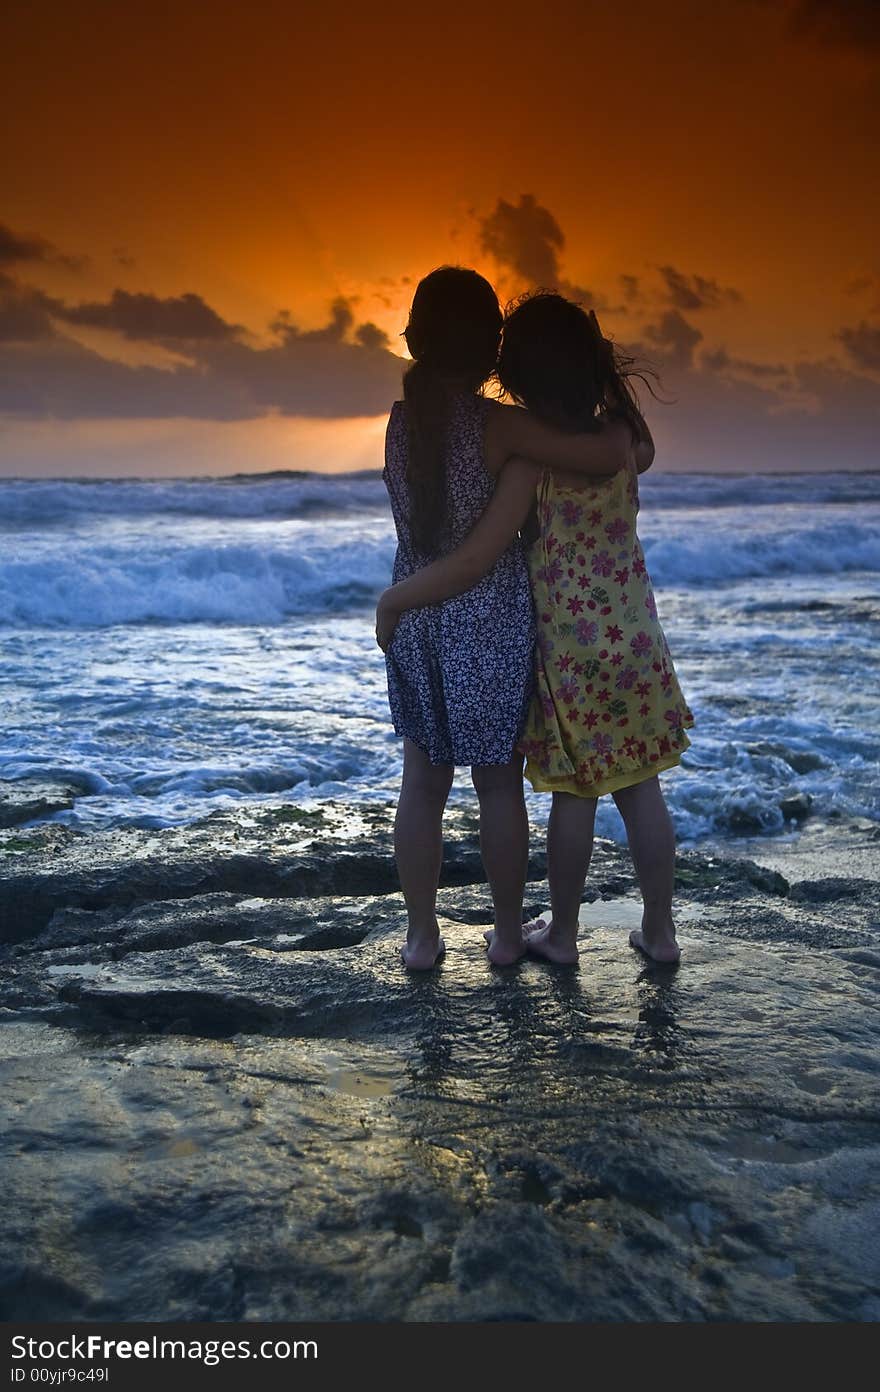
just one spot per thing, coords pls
(602, 450)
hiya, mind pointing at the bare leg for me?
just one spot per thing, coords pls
(418, 850)
(569, 848)
(651, 839)
(504, 845)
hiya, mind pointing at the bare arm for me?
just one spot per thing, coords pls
(472, 559)
(512, 431)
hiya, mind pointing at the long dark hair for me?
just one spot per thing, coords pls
(555, 361)
(453, 334)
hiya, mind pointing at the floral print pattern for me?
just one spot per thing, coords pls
(608, 710)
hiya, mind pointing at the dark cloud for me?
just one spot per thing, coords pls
(719, 360)
(862, 343)
(524, 238)
(630, 286)
(25, 313)
(152, 319)
(837, 23)
(369, 335)
(317, 374)
(674, 337)
(695, 291)
(15, 248)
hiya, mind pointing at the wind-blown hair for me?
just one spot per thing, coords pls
(555, 362)
(453, 334)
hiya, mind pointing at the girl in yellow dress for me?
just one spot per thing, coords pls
(608, 713)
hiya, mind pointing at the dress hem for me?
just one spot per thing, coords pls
(562, 783)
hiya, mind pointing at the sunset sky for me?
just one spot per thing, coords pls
(214, 215)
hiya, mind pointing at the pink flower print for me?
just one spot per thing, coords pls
(606, 609)
(587, 631)
(595, 517)
(545, 618)
(602, 744)
(553, 572)
(582, 561)
(591, 604)
(547, 705)
(644, 708)
(568, 691)
(626, 679)
(616, 659)
(602, 563)
(584, 582)
(621, 576)
(651, 605)
(575, 605)
(655, 666)
(638, 566)
(641, 644)
(603, 696)
(552, 542)
(629, 745)
(603, 654)
(643, 688)
(572, 512)
(580, 536)
(674, 717)
(591, 719)
(666, 682)
(563, 661)
(613, 633)
(664, 746)
(590, 543)
(616, 531)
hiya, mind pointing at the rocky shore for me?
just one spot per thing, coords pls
(224, 1099)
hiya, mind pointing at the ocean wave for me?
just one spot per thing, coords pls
(38, 503)
(333, 569)
(241, 584)
(712, 555)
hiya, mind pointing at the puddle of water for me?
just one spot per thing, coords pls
(371, 1080)
(627, 913)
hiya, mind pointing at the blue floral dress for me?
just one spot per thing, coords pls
(460, 673)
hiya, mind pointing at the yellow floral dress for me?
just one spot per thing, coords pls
(607, 710)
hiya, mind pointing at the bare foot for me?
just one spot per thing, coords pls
(662, 948)
(545, 943)
(527, 928)
(423, 953)
(503, 954)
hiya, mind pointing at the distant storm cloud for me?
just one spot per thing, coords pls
(675, 336)
(525, 238)
(719, 360)
(324, 373)
(150, 318)
(691, 292)
(17, 247)
(862, 343)
(25, 312)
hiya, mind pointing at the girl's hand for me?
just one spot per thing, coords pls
(386, 622)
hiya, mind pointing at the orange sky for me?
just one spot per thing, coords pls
(274, 156)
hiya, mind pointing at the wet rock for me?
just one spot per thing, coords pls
(221, 1104)
(796, 807)
(21, 800)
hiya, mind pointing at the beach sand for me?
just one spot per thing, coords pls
(224, 1100)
